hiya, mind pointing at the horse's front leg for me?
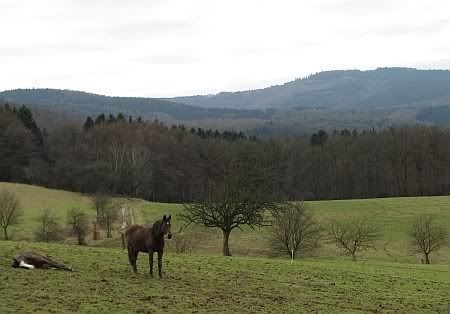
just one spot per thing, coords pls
(150, 261)
(160, 256)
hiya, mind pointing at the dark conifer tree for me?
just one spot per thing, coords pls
(88, 124)
(101, 118)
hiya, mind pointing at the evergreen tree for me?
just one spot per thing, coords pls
(111, 118)
(88, 124)
(26, 117)
(120, 117)
(101, 118)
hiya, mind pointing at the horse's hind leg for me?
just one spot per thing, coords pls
(53, 264)
(132, 257)
(135, 261)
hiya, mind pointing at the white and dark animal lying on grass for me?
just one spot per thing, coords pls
(33, 259)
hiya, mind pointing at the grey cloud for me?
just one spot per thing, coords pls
(358, 7)
(389, 30)
(151, 26)
(170, 58)
(53, 48)
(413, 29)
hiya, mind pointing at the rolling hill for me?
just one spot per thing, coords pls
(83, 104)
(383, 87)
(393, 215)
(329, 100)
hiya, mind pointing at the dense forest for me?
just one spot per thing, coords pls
(126, 156)
(436, 115)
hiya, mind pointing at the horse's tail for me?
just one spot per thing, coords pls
(123, 240)
(126, 236)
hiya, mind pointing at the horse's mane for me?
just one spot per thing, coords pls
(156, 227)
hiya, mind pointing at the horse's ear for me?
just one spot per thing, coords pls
(164, 218)
(170, 216)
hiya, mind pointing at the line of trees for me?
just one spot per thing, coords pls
(152, 161)
(294, 230)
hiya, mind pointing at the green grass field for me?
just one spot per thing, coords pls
(392, 215)
(102, 282)
(388, 279)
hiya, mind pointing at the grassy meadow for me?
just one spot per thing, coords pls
(392, 215)
(387, 279)
(102, 282)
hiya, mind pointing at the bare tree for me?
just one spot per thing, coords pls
(78, 223)
(227, 216)
(295, 230)
(428, 235)
(95, 233)
(353, 235)
(10, 211)
(240, 198)
(49, 229)
(100, 201)
(108, 215)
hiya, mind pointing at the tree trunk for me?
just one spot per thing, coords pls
(427, 260)
(108, 228)
(96, 235)
(226, 238)
(5, 231)
(353, 256)
(80, 239)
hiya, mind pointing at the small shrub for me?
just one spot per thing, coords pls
(108, 215)
(428, 235)
(78, 223)
(183, 243)
(295, 230)
(49, 229)
(10, 211)
(353, 235)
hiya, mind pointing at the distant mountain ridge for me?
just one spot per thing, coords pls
(331, 99)
(383, 87)
(84, 104)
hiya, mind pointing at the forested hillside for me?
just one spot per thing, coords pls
(383, 87)
(328, 100)
(436, 115)
(177, 164)
(82, 103)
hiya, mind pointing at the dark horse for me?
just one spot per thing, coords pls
(148, 240)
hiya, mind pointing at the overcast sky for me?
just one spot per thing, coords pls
(161, 48)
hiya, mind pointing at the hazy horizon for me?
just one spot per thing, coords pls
(237, 90)
(178, 48)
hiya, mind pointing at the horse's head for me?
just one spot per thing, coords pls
(166, 225)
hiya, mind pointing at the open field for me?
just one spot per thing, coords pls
(392, 215)
(102, 282)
